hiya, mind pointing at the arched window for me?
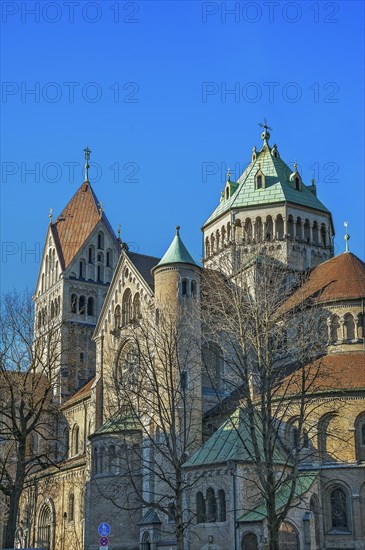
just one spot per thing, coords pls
(315, 233)
(184, 287)
(112, 459)
(221, 505)
(66, 443)
(290, 226)
(193, 288)
(75, 440)
(109, 258)
(217, 239)
(299, 229)
(101, 453)
(73, 303)
(335, 332)
(71, 507)
(349, 327)
(339, 509)
(307, 231)
(82, 269)
(228, 232)
(200, 508)
(258, 228)
(136, 307)
(259, 182)
(211, 505)
(157, 316)
(45, 528)
(207, 248)
(249, 542)
(269, 228)
(146, 541)
(323, 234)
(288, 537)
(90, 306)
(360, 326)
(117, 317)
(128, 365)
(297, 183)
(126, 307)
(100, 273)
(91, 254)
(101, 240)
(360, 437)
(327, 432)
(39, 319)
(42, 282)
(279, 227)
(82, 305)
(248, 230)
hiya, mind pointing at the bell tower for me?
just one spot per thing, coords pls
(79, 257)
(270, 210)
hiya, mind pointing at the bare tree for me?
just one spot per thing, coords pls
(156, 382)
(267, 332)
(29, 368)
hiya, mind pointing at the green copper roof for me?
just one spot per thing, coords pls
(278, 186)
(177, 253)
(232, 441)
(120, 422)
(304, 482)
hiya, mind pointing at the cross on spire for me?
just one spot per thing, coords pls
(101, 209)
(347, 236)
(264, 125)
(87, 158)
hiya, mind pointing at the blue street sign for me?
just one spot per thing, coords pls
(104, 529)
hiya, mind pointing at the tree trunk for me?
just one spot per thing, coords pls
(11, 523)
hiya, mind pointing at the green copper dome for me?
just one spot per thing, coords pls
(177, 253)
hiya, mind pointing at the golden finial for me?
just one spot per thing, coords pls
(101, 209)
(295, 166)
(177, 229)
(50, 215)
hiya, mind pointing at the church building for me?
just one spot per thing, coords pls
(102, 294)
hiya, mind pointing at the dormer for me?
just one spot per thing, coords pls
(296, 179)
(230, 188)
(275, 152)
(259, 179)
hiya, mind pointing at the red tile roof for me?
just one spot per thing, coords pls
(75, 223)
(85, 391)
(340, 278)
(334, 372)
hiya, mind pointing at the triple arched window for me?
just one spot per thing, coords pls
(212, 508)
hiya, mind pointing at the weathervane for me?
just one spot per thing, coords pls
(119, 231)
(50, 215)
(87, 158)
(101, 209)
(347, 236)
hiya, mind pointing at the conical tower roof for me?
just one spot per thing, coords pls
(177, 253)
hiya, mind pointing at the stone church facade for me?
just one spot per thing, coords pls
(97, 288)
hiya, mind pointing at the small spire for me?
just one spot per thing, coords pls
(101, 209)
(177, 230)
(229, 175)
(295, 166)
(50, 215)
(265, 136)
(313, 181)
(87, 158)
(119, 231)
(347, 236)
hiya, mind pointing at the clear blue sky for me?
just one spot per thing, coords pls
(145, 85)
